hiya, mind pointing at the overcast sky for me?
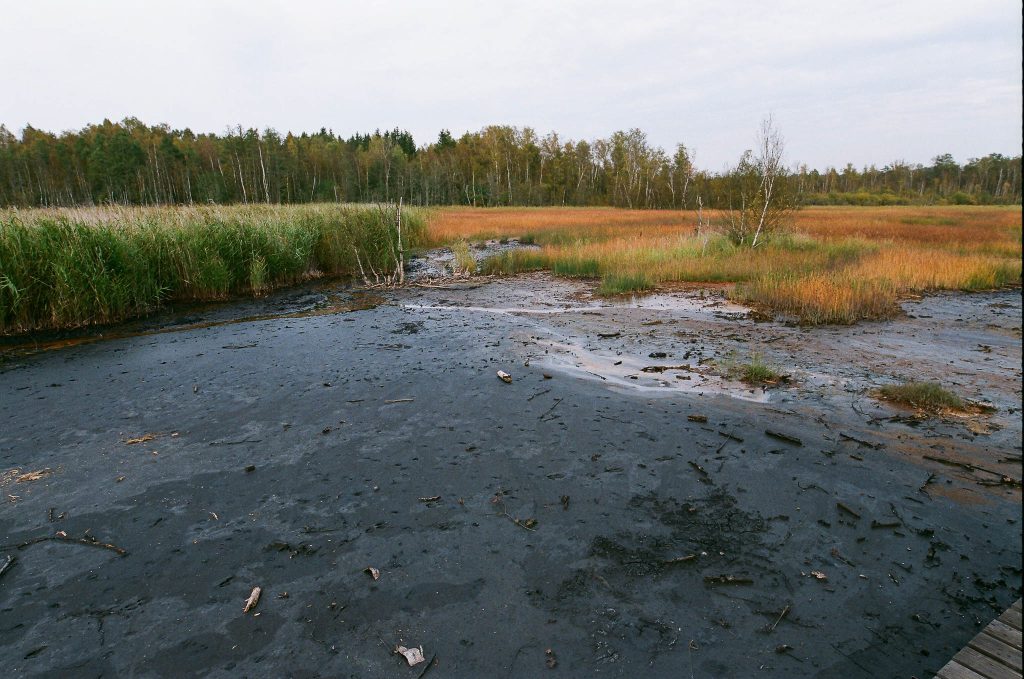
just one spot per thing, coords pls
(861, 82)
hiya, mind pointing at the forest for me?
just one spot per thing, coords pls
(131, 163)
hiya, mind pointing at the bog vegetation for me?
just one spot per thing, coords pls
(72, 267)
(832, 265)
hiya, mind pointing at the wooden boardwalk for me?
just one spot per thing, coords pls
(994, 654)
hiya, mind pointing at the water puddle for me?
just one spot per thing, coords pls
(619, 366)
(624, 372)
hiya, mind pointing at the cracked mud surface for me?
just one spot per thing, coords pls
(662, 546)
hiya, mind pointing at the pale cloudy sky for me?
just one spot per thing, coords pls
(862, 82)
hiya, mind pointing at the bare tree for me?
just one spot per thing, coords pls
(769, 166)
(759, 196)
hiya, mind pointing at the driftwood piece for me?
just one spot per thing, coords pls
(783, 437)
(63, 537)
(7, 565)
(840, 505)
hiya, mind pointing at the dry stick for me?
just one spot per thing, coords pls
(360, 263)
(967, 465)
(433, 661)
(120, 551)
(557, 401)
(846, 509)
(7, 564)
(781, 616)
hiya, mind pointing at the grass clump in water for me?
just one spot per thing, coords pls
(620, 284)
(929, 396)
(464, 260)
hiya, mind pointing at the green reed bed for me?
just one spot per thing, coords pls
(68, 268)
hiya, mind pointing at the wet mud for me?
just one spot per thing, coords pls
(631, 521)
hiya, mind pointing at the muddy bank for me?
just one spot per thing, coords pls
(798, 531)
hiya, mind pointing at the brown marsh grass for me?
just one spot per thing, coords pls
(834, 265)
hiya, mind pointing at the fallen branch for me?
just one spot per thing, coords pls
(1003, 478)
(727, 580)
(846, 509)
(7, 564)
(783, 437)
(546, 412)
(120, 551)
(875, 446)
(783, 614)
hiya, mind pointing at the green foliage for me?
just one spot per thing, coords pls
(464, 260)
(64, 268)
(129, 162)
(925, 395)
(618, 284)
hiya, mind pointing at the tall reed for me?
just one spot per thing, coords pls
(67, 268)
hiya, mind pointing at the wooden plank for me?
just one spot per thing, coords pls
(997, 650)
(985, 666)
(954, 670)
(1011, 618)
(1005, 633)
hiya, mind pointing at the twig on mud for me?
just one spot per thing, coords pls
(399, 400)
(525, 524)
(847, 437)
(539, 393)
(846, 509)
(433, 661)
(120, 551)
(727, 580)
(548, 411)
(783, 614)
(783, 437)
(1003, 478)
(704, 476)
(7, 564)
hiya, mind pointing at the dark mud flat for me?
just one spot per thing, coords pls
(287, 456)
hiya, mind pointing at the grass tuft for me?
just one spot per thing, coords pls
(929, 396)
(620, 284)
(464, 260)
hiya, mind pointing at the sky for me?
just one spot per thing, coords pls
(864, 82)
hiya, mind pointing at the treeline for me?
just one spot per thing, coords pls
(129, 162)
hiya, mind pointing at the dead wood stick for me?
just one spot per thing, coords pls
(546, 412)
(846, 509)
(862, 442)
(433, 661)
(783, 437)
(967, 465)
(399, 400)
(120, 551)
(782, 615)
(7, 564)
